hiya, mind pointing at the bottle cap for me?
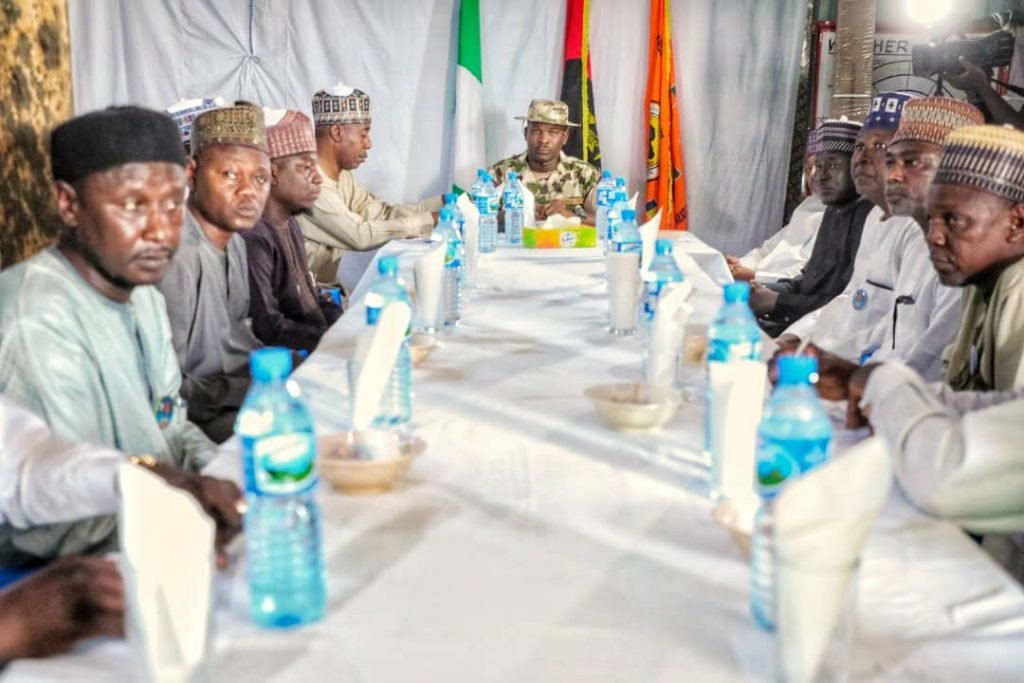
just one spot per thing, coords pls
(628, 215)
(512, 175)
(449, 198)
(388, 265)
(797, 369)
(488, 177)
(736, 292)
(620, 182)
(446, 213)
(662, 247)
(481, 172)
(270, 364)
(606, 174)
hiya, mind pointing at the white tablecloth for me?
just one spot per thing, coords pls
(530, 543)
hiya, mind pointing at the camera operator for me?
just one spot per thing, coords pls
(975, 82)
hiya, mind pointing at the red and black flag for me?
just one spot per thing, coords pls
(577, 90)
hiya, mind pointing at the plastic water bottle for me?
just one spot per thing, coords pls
(603, 199)
(487, 205)
(451, 200)
(733, 335)
(513, 209)
(396, 404)
(282, 527)
(619, 203)
(793, 437)
(627, 237)
(454, 268)
(663, 271)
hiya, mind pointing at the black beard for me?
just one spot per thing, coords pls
(72, 240)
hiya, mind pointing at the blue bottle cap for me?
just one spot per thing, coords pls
(449, 198)
(388, 265)
(620, 182)
(662, 247)
(736, 292)
(628, 215)
(512, 175)
(446, 213)
(606, 174)
(270, 364)
(797, 369)
(488, 177)
(481, 172)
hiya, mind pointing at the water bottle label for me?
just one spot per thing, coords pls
(374, 303)
(482, 204)
(651, 299)
(779, 460)
(603, 196)
(284, 464)
(725, 351)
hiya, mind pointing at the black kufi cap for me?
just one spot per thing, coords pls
(111, 137)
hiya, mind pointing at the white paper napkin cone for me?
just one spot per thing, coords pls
(471, 238)
(666, 339)
(649, 235)
(529, 207)
(167, 562)
(632, 200)
(376, 352)
(822, 521)
(737, 396)
(623, 272)
(428, 274)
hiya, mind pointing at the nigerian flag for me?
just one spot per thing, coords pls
(468, 136)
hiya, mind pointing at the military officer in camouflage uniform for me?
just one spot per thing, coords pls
(560, 184)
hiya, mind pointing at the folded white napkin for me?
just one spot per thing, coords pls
(623, 274)
(559, 221)
(632, 201)
(428, 274)
(376, 352)
(649, 235)
(737, 397)
(666, 339)
(470, 238)
(529, 207)
(821, 523)
(167, 561)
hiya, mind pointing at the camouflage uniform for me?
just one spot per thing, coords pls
(573, 181)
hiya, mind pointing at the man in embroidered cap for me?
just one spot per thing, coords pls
(976, 239)
(84, 339)
(560, 184)
(784, 254)
(828, 270)
(184, 112)
(347, 217)
(925, 314)
(207, 284)
(844, 324)
(286, 305)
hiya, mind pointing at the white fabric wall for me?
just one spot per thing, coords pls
(736, 67)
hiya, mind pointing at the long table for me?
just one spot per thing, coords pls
(531, 543)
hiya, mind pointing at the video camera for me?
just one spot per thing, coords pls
(988, 52)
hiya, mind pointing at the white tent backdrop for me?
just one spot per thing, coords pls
(737, 63)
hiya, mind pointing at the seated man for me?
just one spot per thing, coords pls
(560, 184)
(207, 283)
(346, 216)
(84, 339)
(845, 322)
(287, 308)
(784, 254)
(955, 454)
(925, 314)
(826, 274)
(976, 238)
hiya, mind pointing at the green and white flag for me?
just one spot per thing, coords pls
(468, 149)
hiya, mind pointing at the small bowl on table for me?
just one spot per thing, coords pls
(368, 462)
(634, 406)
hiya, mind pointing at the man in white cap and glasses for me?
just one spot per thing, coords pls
(346, 216)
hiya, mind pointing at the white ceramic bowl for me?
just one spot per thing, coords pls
(634, 406)
(366, 463)
(420, 346)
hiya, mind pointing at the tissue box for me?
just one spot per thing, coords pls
(571, 237)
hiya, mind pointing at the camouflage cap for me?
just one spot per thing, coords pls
(241, 124)
(548, 111)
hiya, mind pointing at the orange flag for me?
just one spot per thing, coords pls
(666, 179)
